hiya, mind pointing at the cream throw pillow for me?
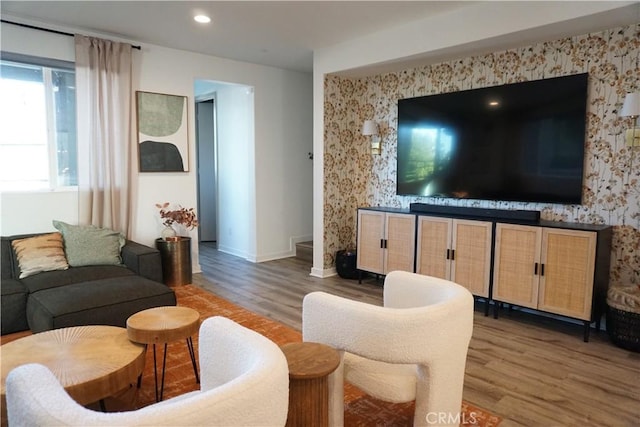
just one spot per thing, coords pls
(40, 253)
(625, 298)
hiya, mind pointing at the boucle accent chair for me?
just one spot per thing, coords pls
(413, 348)
(244, 382)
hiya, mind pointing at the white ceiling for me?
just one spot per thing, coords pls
(276, 33)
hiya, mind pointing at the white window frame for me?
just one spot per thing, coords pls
(48, 66)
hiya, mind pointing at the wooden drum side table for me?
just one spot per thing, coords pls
(309, 366)
(162, 325)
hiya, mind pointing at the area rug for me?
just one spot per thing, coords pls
(360, 409)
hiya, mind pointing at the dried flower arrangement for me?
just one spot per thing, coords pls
(178, 215)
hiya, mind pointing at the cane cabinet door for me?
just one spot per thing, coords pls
(370, 251)
(566, 280)
(386, 241)
(457, 250)
(516, 265)
(434, 242)
(400, 242)
(471, 255)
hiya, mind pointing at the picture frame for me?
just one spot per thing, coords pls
(163, 143)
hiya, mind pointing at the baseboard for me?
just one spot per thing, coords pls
(234, 252)
(298, 239)
(262, 258)
(323, 273)
(274, 256)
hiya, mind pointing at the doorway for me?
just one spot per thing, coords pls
(225, 175)
(207, 170)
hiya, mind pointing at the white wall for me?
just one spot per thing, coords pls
(461, 31)
(235, 170)
(283, 111)
(278, 126)
(284, 172)
(24, 213)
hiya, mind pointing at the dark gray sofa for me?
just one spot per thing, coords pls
(87, 295)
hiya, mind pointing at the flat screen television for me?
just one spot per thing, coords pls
(516, 142)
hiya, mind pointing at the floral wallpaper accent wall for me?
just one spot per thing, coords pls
(611, 193)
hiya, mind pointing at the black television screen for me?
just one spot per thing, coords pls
(516, 142)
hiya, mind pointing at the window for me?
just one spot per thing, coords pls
(38, 124)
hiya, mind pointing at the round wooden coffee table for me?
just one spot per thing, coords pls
(162, 325)
(91, 362)
(309, 365)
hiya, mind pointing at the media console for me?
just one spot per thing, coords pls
(502, 256)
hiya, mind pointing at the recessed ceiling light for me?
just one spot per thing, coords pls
(203, 19)
(494, 103)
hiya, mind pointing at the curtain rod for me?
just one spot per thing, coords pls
(33, 27)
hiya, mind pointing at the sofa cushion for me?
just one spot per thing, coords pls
(87, 274)
(6, 258)
(40, 253)
(143, 260)
(13, 300)
(90, 245)
(100, 302)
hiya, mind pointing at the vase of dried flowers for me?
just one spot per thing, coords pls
(172, 216)
(168, 233)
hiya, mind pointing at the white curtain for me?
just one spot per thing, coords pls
(103, 95)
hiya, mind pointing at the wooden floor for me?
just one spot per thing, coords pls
(529, 370)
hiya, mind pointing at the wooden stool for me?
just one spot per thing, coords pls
(309, 365)
(162, 325)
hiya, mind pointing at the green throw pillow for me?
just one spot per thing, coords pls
(90, 245)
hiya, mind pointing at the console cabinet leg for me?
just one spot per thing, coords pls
(587, 328)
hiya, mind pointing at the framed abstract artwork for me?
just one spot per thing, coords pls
(163, 144)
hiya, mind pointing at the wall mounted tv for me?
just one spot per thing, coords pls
(516, 142)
